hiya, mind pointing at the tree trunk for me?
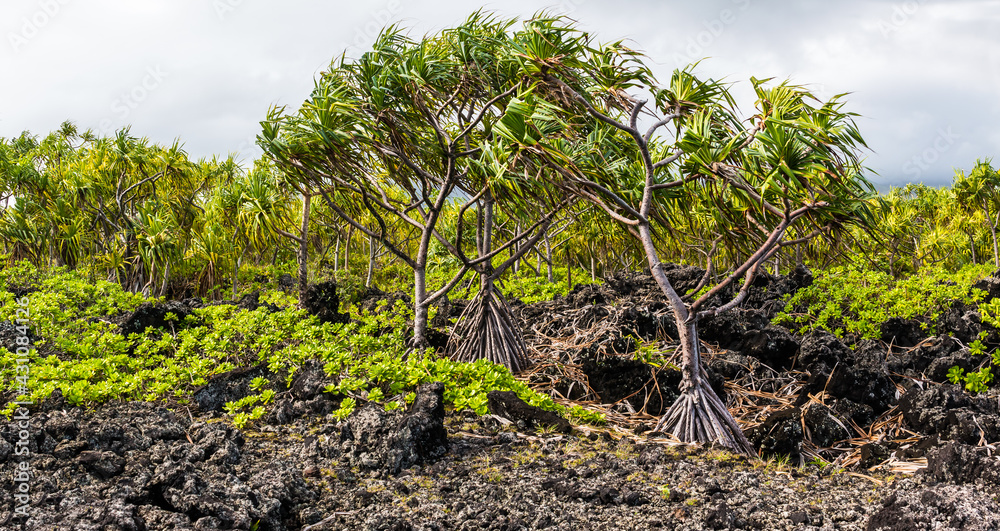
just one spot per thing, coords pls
(486, 327)
(593, 269)
(304, 251)
(336, 255)
(993, 233)
(548, 258)
(698, 415)
(419, 307)
(486, 243)
(515, 248)
(347, 249)
(371, 261)
(166, 280)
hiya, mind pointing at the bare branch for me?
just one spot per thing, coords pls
(482, 113)
(664, 121)
(765, 248)
(668, 160)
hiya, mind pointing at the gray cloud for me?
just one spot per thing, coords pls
(925, 75)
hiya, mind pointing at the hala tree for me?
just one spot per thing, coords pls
(788, 173)
(980, 190)
(400, 134)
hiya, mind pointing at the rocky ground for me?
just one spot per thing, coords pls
(865, 436)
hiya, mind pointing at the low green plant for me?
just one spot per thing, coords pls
(346, 408)
(585, 416)
(976, 381)
(529, 288)
(854, 300)
(84, 354)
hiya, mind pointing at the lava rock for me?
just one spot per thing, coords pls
(773, 346)
(730, 329)
(961, 463)
(962, 321)
(286, 283)
(9, 335)
(683, 278)
(780, 434)
(873, 454)
(508, 405)
(615, 378)
(991, 286)
(322, 301)
(801, 276)
(732, 365)
(372, 297)
(915, 361)
(948, 412)
(822, 347)
(154, 315)
(824, 426)
(944, 508)
(588, 295)
(251, 301)
(937, 371)
(231, 386)
(901, 332)
(860, 385)
(372, 439)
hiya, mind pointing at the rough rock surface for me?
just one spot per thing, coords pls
(949, 413)
(508, 405)
(154, 315)
(375, 440)
(136, 466)
(323, 301)
(944, 508)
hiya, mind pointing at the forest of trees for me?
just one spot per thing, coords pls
(490, 149)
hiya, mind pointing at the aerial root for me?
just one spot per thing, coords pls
(486, 330)
(699, 416)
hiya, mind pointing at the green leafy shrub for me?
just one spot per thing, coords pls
(852, 300)
(83, 354)
(531, 289)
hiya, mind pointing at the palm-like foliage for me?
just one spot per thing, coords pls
(980, 190)
(794, 163)
(399, 133)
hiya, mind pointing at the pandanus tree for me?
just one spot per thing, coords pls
(397, 133)
(980, 190)
(369, 129)
(487, 328)
(793, 162)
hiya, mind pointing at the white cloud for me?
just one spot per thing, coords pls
(913, 67)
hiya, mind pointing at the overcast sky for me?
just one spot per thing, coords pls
(924, 75)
